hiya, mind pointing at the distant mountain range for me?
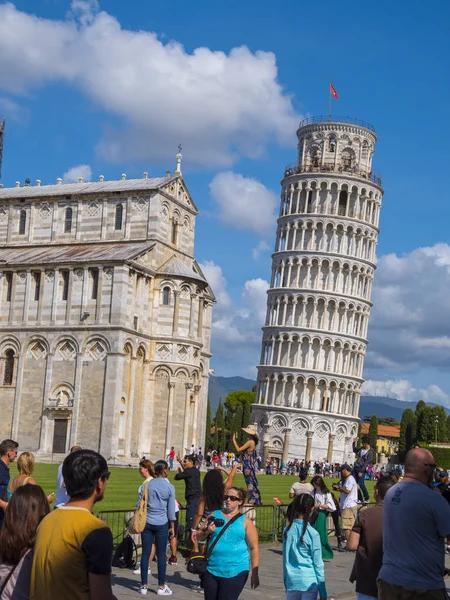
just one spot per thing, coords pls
(381, 406)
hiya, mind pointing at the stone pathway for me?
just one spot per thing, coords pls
(126, 585)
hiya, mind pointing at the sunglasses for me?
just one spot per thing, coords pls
(430, 465)
(232, 498)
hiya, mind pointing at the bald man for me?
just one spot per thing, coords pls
(415, 524)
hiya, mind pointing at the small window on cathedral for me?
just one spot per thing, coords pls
(22, 222)
(94, 283)
(8, 279)
(65, 284)
(166, 296)
(119, 217)
(9, 367)
(68, 221)
(136, 322)
(332, 144)
(37, 285)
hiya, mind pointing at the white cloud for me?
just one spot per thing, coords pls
(259, 249)
(410, 325)
(402, 389)
(220, 106)
(72, 175)
(12, 110)
(244, 203)
(236, 331)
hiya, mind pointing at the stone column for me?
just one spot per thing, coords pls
(287, 441)
(111, 398)
(98, 304)
(41, 296)
(197, 389)
(192, 316)
(309, 438)
(266, 437)
(176, 311)
(26, 301)
(330, 448)
(200, 317)
(130, 407)
(145, 428)
(17, 396)
(53, 276)
(12, 303)
(170, 417)
(76, 400)
(189, 387)
(69, 296)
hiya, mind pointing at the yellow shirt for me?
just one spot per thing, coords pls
(70, 543)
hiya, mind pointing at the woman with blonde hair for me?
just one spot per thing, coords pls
(249, 463)
(25, 466)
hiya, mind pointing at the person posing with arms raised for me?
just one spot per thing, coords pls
(160, 516)
(236, 548)
(303, 570)
(26, 509)
(363, 461)
(323, 504)
(366, 538)
(249, 463)
(416, 520)
(188, 472)
(73, 549)
(8, 454)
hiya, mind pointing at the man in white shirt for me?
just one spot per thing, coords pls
(348, 499)
(61, 492)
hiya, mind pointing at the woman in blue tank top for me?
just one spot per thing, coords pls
(237, 549)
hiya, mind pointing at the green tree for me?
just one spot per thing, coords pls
(208, 427)
(448, 428)
(215, 437)
(439, 424)
(247, 415)
(419, 407)
(233, 399)
(425, 424)
(359, 442)
(373, 432)
(408, 429)
(220, 426)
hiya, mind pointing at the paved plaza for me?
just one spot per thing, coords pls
(126, 585)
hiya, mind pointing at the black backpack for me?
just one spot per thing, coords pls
(125, 554)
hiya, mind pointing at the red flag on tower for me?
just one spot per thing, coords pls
(333, 92)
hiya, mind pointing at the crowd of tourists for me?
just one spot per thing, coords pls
(399, 544)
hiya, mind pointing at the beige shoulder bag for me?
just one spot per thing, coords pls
(139, 519)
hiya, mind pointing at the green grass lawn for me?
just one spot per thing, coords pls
(123, 484)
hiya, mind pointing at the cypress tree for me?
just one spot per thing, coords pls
(208, 428)
(373, 434)
(448, 428)
(408, 428)
(247, 415)
(220, 426)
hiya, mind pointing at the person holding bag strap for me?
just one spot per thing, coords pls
(234, 545)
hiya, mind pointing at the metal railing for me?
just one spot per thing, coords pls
(332, 168)
(269, 520)
(333, 119)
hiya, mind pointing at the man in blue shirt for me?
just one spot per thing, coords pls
(8, 454)
(416, 521)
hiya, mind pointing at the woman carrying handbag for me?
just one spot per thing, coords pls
(229, 559)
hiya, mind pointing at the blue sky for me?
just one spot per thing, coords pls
(116, 86)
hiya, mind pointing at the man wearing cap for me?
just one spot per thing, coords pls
(191, 475)
(349, 498)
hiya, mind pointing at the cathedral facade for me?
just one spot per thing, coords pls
(105, 318)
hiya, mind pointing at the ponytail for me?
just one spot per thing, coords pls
(301, 506)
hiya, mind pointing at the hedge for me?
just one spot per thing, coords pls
(441, 455)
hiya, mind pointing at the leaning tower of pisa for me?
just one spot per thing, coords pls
(318, 307)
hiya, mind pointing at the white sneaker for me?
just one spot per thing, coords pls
(165, 591)
(137, 571)
(143, 590)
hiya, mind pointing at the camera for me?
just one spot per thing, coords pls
(217, 522)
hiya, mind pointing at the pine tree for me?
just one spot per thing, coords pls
(419, 407)
(408, 428)
(208, 427)
(448, 428)
(220, 426)
(373, 434)
(438, 412)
